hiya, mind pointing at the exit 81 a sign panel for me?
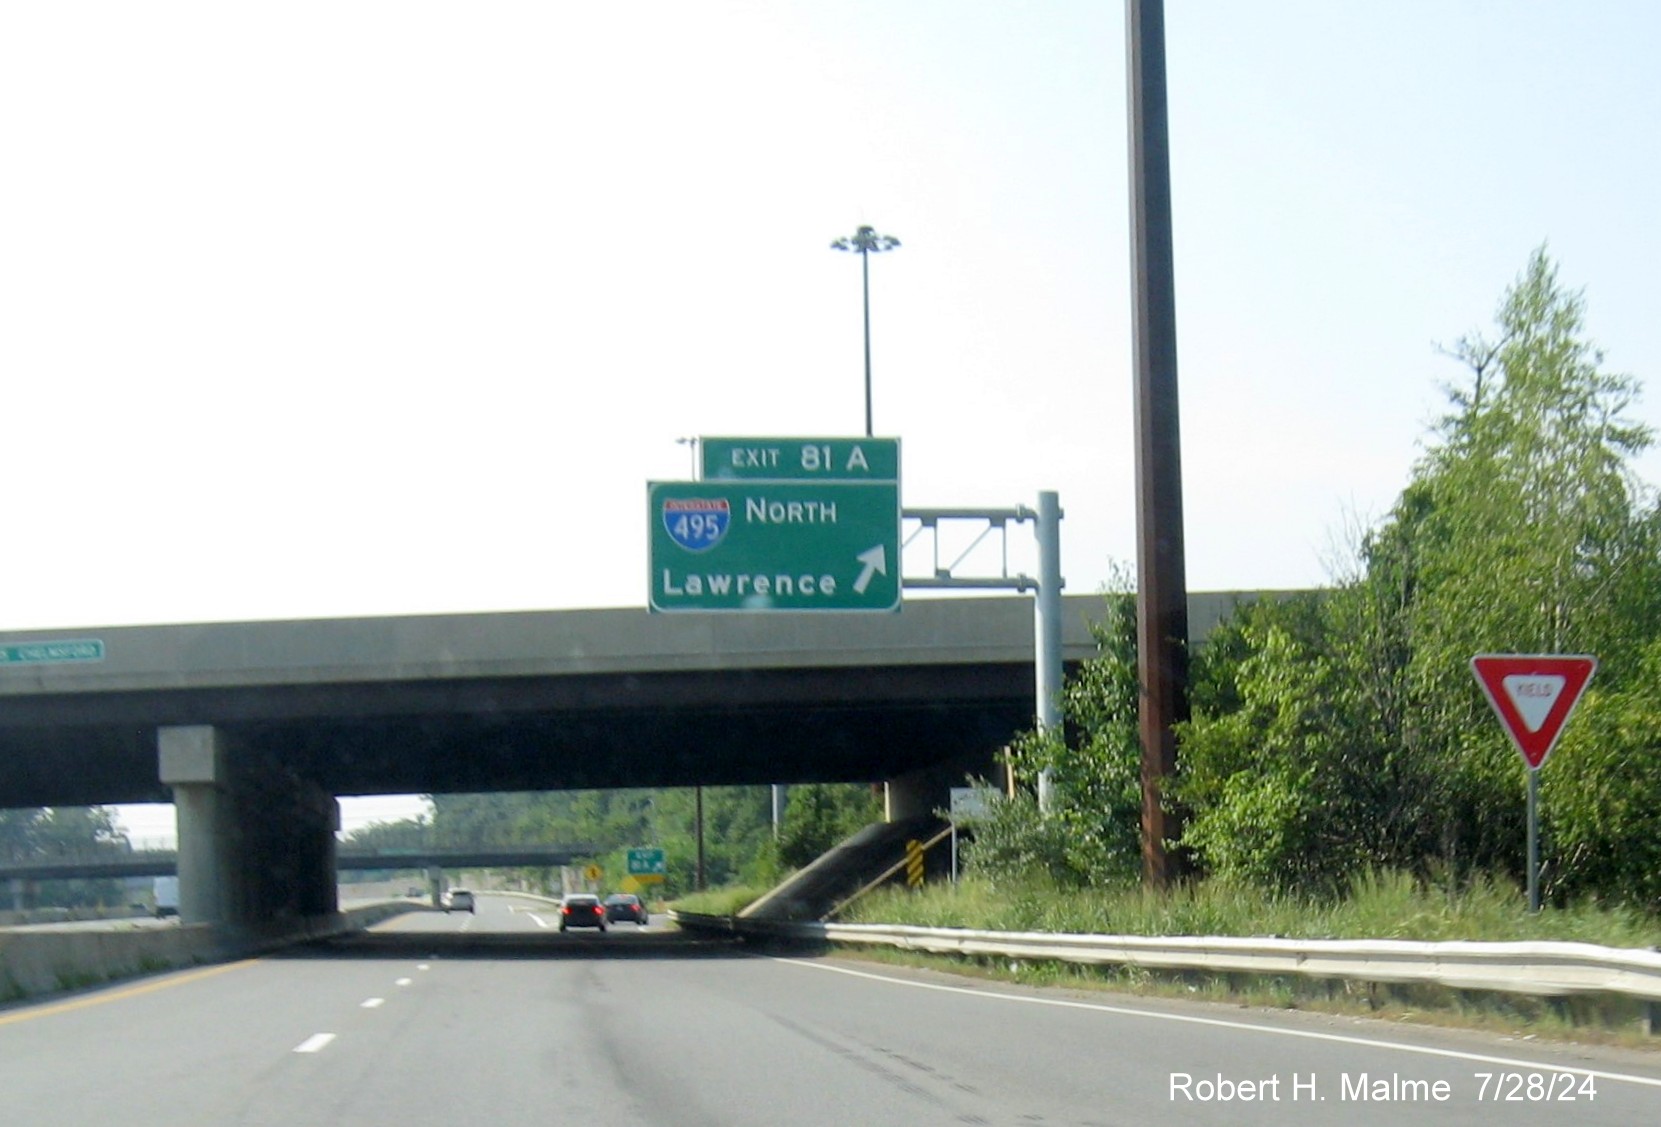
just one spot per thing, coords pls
(800, 459)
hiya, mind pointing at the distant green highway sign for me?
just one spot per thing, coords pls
(81, 649)
(805, 459)
(753, 545)
(647, 862)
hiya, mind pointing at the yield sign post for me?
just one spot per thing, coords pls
(1533, 695)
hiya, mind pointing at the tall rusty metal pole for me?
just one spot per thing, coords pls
(1162, 585)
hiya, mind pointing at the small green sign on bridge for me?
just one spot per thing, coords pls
(37, 653)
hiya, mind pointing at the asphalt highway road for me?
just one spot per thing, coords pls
(498, 1019)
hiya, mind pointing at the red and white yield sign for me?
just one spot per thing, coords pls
(1533, 695)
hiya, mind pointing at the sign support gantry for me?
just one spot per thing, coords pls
(815, 524)
(1046, 520)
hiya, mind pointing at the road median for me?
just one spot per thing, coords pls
(52, 960)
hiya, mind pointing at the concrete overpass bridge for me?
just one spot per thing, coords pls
(165, 862)
(254, 729)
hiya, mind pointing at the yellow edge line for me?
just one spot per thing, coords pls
(121, 995)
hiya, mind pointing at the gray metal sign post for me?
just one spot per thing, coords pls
(1533, 695)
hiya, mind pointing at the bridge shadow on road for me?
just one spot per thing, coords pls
(612, 944)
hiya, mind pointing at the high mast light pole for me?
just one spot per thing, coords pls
(867, 242)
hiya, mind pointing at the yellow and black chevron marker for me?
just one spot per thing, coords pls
(914, 864)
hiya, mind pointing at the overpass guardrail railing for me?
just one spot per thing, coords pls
(1542, 969)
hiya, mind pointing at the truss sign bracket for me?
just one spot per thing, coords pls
(985, 524)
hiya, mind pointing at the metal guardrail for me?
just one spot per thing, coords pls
(1534, 968)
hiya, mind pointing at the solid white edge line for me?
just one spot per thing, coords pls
(315, 1043)
(1340, 1038)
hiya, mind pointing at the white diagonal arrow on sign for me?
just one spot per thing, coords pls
(875, 561)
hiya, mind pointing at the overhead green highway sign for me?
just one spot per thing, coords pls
(743, 545)
(804, 459)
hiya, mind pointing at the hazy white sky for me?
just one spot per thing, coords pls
(322, 309)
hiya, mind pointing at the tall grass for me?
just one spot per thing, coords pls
(719, 901)
(1380, 905)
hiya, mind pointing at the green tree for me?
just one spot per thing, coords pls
(65, 833)
(1535, 537)
(1094, 760)
(1601, 794)
(1014, 847)
(1268, 770)
(737, 826)
(60, 831)
(1348, 732)
(408, 833)
(819, 816)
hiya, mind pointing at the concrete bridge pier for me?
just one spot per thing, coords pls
(256, 841)
(922, 792)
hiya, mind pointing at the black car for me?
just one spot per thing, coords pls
(623, 906)
(582, 910)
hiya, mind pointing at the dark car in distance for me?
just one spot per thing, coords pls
(623, 906)
(582, 910)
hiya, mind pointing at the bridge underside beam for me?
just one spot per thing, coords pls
(599, 751)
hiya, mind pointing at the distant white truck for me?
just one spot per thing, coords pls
(167, 897)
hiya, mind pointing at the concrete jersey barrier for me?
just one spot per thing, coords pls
(49, 960)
